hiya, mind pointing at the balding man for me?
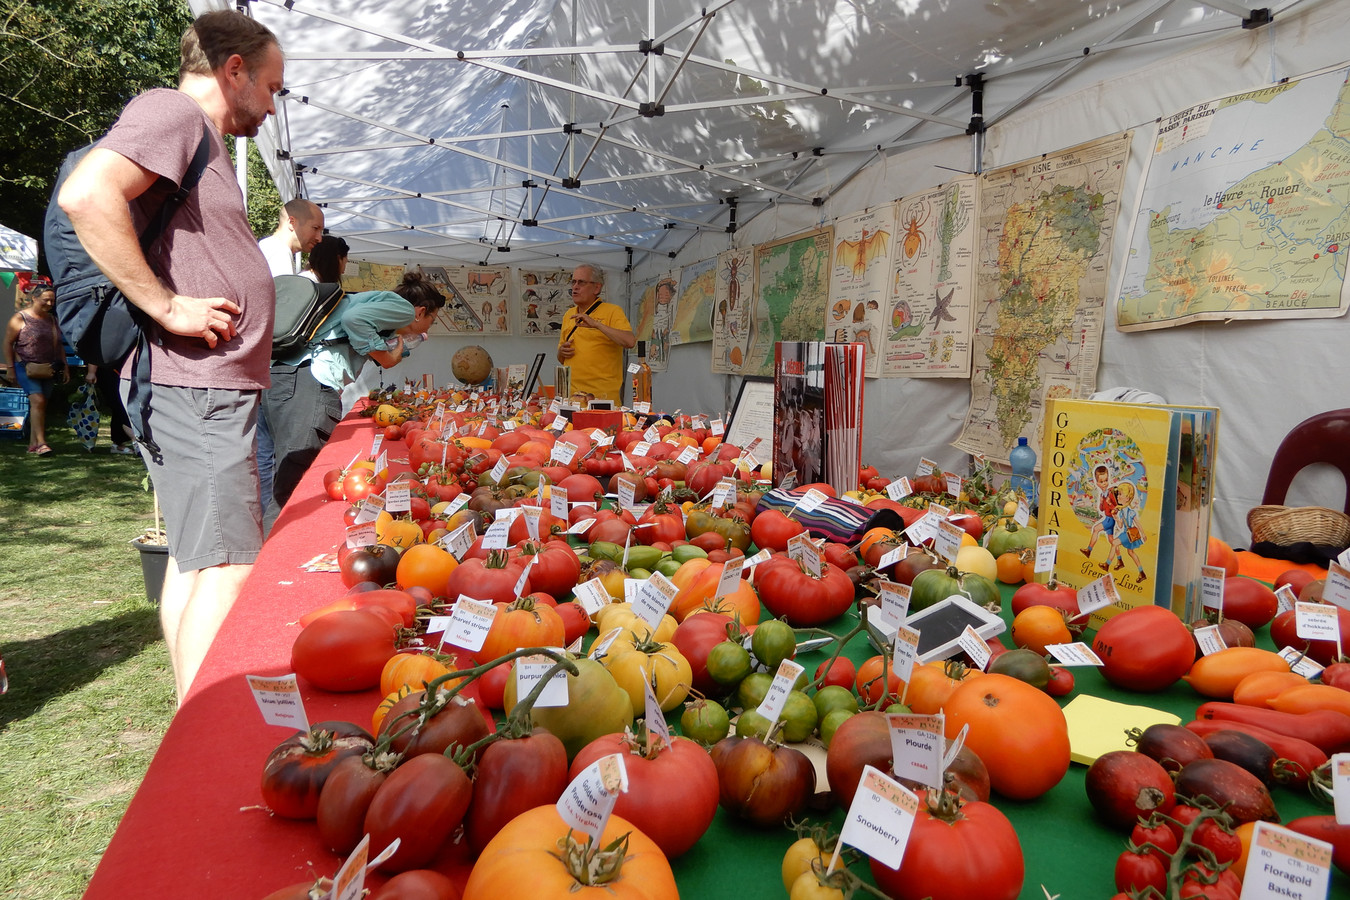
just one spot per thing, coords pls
(206, 287)
(299, 229)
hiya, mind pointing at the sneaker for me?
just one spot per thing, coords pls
(122, 450)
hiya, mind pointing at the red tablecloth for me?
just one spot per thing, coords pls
(195, 827)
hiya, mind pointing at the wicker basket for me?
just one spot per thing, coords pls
(1285, 525)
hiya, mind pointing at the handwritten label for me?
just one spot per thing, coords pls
(455, 505)
(892, 556)
(905, 653)
(954, 484)
(654, 717)
(370, 510)
(557, 501)
(1022, 515)
(880, 818)
(1047, 545)
(1097, 595)
(894, 602)
(926, 466)
(1316, 621)
(532, 516)
(924, 529)
(1285, 598)
(604, 642)
(626, 491)
(1209, 639)
(717, 428)
(499, 470)
(1075, 654)
(497, 536)
(592, 596)
(459, 541)
(731, 576)
(563, 452)
(1211, 586)
(1340, 787)
(1284, 864)
(398, 497)
(771, 707)
(279, 701)
(651, 435)
(350, 881)
(470, 622)
(1299, 663)
(975, 647)
(653, 598)
(362, 535)
(1337, 587)
(811, 500)
(800, 548)
(947, 541)
(687, 455)
(376, 443)
(899, 489)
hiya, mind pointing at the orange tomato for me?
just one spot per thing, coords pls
(931, 685)
(1009, 567)
(410, 670)
(397, 532)
(1244, 835)
(425, 565)
(1017, 730)
(391, 697)
(869, 684)
(1218, 674)
(1258, 688)
(1036, 626)
(1220, 554)
(1310, 697)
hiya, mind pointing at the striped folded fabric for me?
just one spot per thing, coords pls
(835, 520)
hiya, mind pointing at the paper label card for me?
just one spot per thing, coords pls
(604, 642)
(1211, 586)
(975, 647)
(880, 818)
(771, 707)
(947, 541)
(899, 489)
(382, 462)
(651, 435)
(1337, 587)
(891, 557)
(459, 541)
(761, 556)
(497, 536)
(717, 427)
(532, 516)
(916, 747)
(906, 652)
(924, 529)
(563, 452)
(530, 670)
(371, 508)
(279, 701)
(350, 881)
(954, 484)
(376, 443)
(654, 718)
(1047, 545)
(1316, 621)
(592, 596)
(1340, 787)
(455, 506)
(499, 470)
(362, 535)
(588, 801)
(1022, 515)
(1209, 639)
(1097, 595)
(1286, 865)
(811, 500)
(581, 526)
(626, 491)
(1075, 654)
(800, 548)
(397, 497)
(731, 576)
(470, 622)
(1285, 598)
(557, 501)
(654, 597)
(937, 509)
(894, 602)
(926, 466)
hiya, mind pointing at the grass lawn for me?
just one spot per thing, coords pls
(90, 691)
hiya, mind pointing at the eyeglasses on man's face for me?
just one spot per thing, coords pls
(575, 281)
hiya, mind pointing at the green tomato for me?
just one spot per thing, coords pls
(832, 697)
(752, 724)
(831, 723)
(773, 642)
(705, 721)
(729, 662)
(752, 689)
(799, 717)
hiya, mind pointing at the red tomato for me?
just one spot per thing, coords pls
(488, 581)
(1144, 649)
(1137, 871)
(418, 884)
(1249, 602)
(695, 637)
(576, 622)
(977, 854)
(344, 651)
(341, 814)
(772, 528)
(672, 795)
(295, 772)
(421, 804)
(492, 685)
(513, 776)
(361, 483)
(556, 568)
(842, 672)
(791, 593)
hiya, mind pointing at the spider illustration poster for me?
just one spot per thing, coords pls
(926, 323)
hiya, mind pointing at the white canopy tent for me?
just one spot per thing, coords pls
(641, 136)
(18, 252)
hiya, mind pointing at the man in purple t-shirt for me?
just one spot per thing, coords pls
(207, 287)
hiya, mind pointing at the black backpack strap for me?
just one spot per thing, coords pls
(138, 392)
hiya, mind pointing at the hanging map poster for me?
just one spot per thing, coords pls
(732, 323)
(1044, 240)
(694, 308)
(1244, 212)
(368, 276)
(475, 298)
(859, 280)
(792, 290)
(931, 313)
(654, 302)
(545, 295)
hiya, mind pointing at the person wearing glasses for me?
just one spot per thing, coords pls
(593, 337)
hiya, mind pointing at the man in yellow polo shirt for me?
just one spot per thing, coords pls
(594, 336)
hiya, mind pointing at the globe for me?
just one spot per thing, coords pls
(471, 365)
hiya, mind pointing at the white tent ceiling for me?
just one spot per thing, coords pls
(519, 131)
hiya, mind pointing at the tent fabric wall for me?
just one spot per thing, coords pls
(1264, 376)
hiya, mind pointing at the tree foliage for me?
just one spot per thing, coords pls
(67, 67)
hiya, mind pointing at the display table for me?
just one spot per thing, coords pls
(196, 827)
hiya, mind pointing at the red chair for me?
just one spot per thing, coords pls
(1325, 438)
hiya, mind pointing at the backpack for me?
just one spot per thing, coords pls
(92, 314)
(303, 306)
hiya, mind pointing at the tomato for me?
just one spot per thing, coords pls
(956, 854)
(773, 528)
(295, 771)
(521, 623)
(343, 651)
(1061, 681)
(1137, 871)
(412, 670)
(1146, 648)
(1037, 626)
(1249, 602)
(672, 790)
(804, 600)
(1153, 835)
(635, 662)
(425, 565)
(492, 685)
(576, 622)
(841, 672)
(815, 885)
(419, 724)
(729, 663)
(346, 795)
(1060, 596)
(760, 784)
(361, 483)
(535, 856)
(1325, 828)
(704, 721)
(772, 642)
(869, 684)
(418, 884)
(1123, 785)
(1284, 633)
(377, 563)
(556, 568)
(832, 697)
(489, 581)
(421, 803)
(1017, 730)
(862, 740)
(596, 706)
(514, 776)
(695, 637)
(332, 483)
(798, 859)
(935, 585)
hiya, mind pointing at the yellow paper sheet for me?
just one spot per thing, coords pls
(1098, 726)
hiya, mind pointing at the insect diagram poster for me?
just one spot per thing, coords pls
(929, 316)
(733, 303)
(654, 301)
(859, 280)
(545, 295)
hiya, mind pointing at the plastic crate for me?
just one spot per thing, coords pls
(13, 411)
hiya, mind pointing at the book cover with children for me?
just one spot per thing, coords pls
(1108, 487)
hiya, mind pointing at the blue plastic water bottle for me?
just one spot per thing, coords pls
(1023, 461)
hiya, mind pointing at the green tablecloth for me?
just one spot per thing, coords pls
(1067, 850)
